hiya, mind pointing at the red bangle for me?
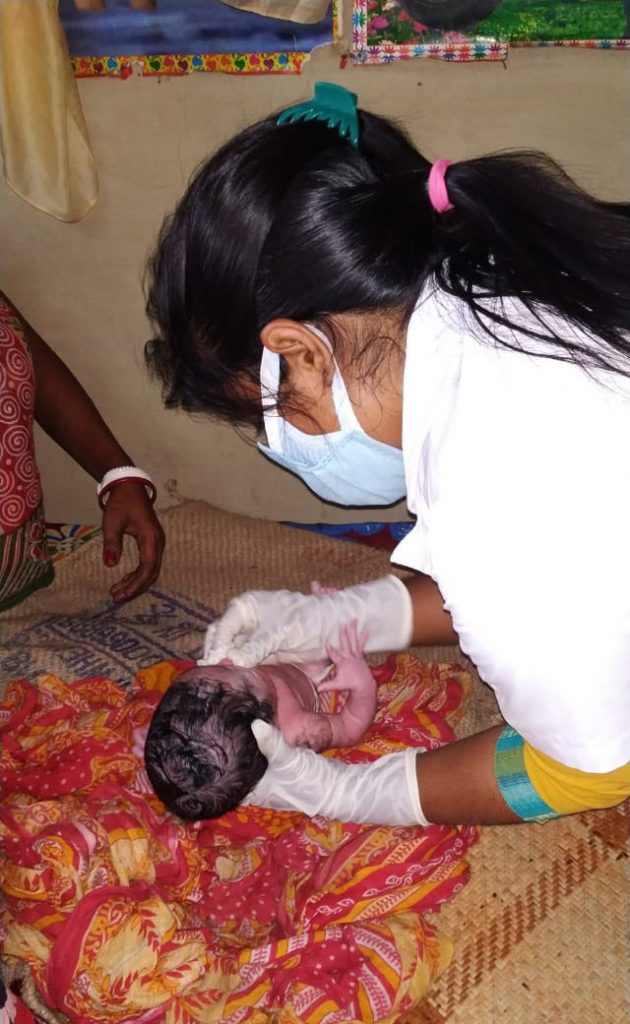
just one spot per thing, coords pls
(148, 485)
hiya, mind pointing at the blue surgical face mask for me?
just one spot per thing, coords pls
(347, 466)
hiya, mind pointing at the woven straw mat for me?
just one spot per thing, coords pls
(542, 931)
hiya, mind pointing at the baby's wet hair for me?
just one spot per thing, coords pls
(200, 754)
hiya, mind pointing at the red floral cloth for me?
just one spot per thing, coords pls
(126, 914)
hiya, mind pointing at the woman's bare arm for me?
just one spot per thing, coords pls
(432, 624)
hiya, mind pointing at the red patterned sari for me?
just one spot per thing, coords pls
(24, 560)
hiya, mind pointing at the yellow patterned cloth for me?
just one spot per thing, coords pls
(126, 914)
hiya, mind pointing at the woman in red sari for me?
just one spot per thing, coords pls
(35, 385)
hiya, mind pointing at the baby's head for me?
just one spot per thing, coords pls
(200, 753)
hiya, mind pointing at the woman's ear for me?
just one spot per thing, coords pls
(310, 372)
(307, 356)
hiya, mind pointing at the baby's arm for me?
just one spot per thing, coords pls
(355, 677)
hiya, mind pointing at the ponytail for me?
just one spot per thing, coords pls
(521, 228)
(294, 222)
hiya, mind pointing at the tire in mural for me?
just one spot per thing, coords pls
(448, 15)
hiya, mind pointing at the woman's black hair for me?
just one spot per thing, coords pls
(293, 222)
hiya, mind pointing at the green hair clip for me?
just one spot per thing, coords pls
(332, 104)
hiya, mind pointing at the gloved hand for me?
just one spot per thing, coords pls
(287, 626)
(383, 792)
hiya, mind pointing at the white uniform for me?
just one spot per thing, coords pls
(518, 470)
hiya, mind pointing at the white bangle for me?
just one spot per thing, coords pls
(120, 475)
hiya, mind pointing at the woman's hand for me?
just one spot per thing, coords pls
(129, 511)
(287, 626)
(383, 792)
(68, 415)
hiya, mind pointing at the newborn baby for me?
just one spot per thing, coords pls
(200, 753)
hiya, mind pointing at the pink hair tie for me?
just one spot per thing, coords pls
(438, 194)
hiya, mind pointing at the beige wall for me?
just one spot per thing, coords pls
(80, 284)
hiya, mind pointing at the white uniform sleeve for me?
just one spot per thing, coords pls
(524, 522)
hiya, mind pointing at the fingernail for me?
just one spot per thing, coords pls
(111, 558)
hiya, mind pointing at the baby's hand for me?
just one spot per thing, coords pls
(353, 672)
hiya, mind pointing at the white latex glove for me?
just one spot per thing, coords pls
(287, 626)
(383, 792)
